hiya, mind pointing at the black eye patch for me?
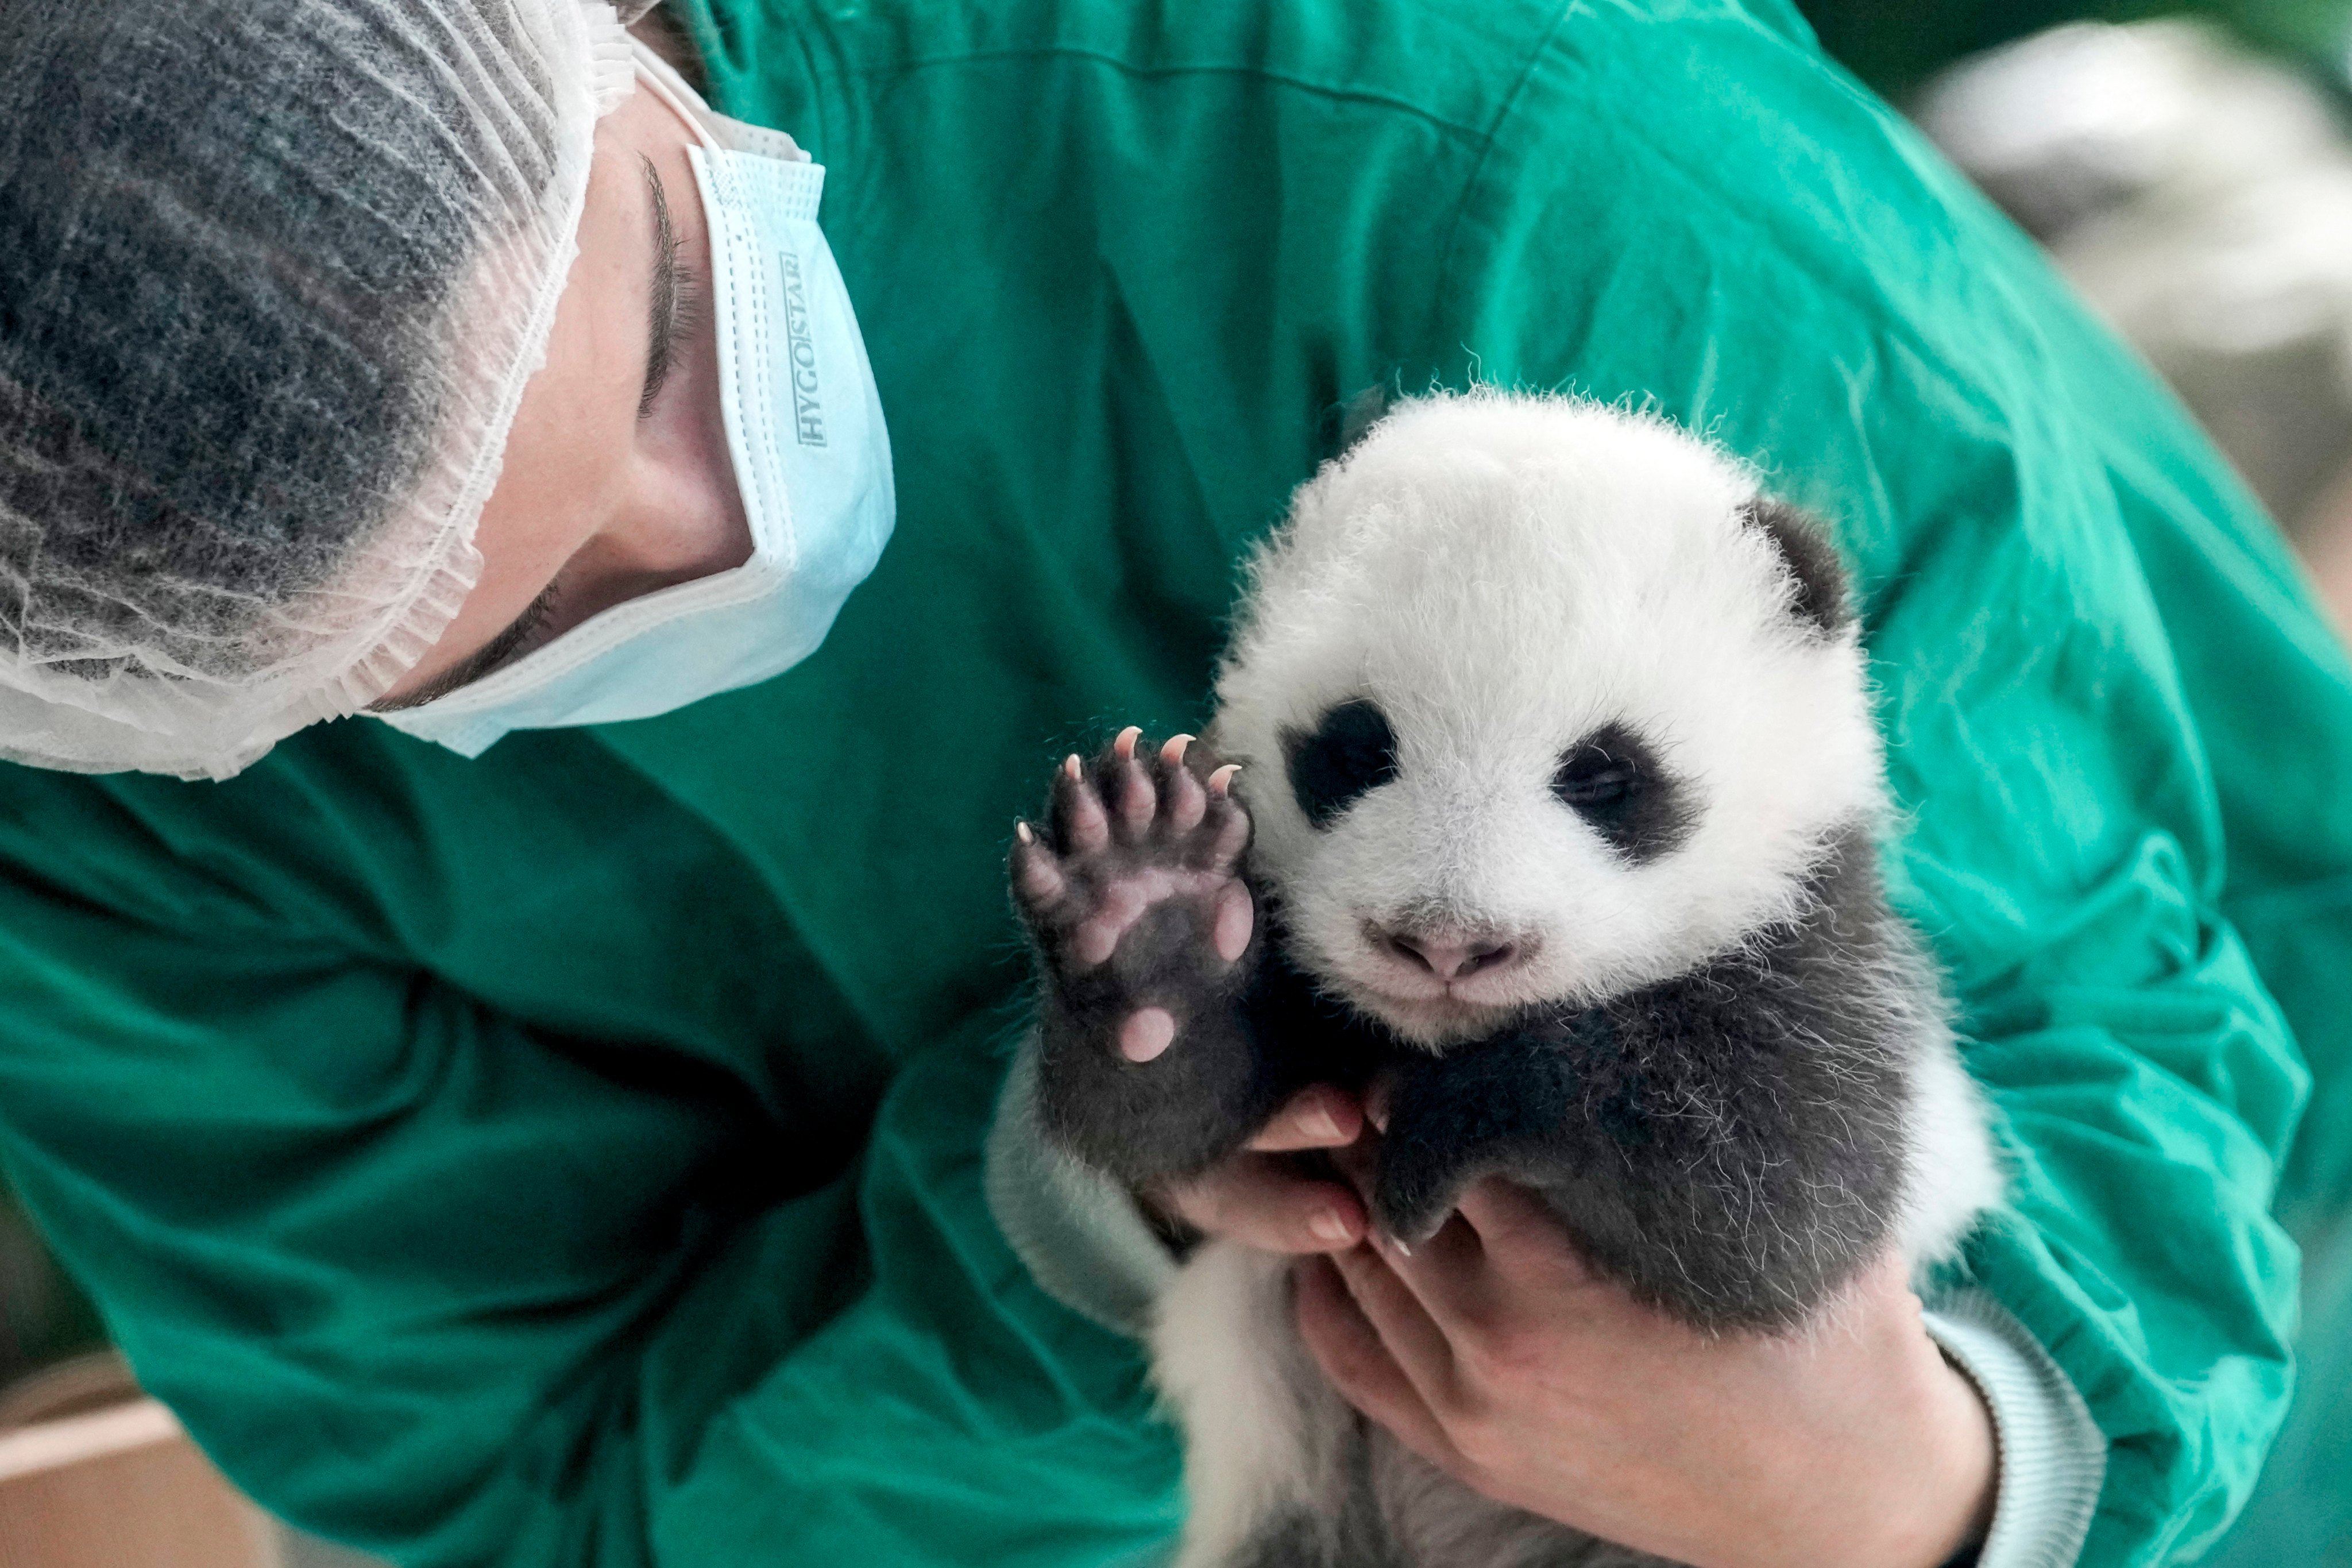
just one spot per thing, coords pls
(1351, 751)
(1615, 781)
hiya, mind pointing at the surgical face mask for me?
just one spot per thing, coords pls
(810, 458)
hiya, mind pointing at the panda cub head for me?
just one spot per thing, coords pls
(1537, 702)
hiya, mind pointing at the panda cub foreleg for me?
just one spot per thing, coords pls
(1154, 1062)
(1147, 937)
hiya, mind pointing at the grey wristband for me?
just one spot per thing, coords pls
(2053, 1455)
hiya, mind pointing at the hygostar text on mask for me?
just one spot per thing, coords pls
(808, 409)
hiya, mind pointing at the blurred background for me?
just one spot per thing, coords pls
(2188, 167)
(2190, 173)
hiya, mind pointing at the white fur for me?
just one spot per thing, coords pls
(1953, 1173)
(1226, 1354)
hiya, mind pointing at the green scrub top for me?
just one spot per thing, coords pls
(574, 1156)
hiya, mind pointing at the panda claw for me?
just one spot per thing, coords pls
(1124, 747)
(1221, 781)
(1172, 753)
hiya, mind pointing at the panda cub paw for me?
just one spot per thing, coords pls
(1147, 934)
(1134, 893)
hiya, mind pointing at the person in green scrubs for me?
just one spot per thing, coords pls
(575, 1151)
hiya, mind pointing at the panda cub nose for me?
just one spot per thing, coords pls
(1451, 956)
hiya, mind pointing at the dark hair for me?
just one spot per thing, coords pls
(230, 233)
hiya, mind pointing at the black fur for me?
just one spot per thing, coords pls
(1357, 1533)
(1817, 594)
(1351, 751)
(1616, 784)
(1170, 1117)
(1179, 1114)
(1345, 424)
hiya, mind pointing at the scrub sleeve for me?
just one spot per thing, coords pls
(575, 1155)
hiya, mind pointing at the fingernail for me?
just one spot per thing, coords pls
(1328, 1226)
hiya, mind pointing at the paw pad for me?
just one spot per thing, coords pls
(1131, 836)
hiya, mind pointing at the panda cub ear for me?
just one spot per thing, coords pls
(1819, 593)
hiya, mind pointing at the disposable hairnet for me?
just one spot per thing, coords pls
(272, 276)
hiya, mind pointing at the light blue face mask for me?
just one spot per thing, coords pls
(812, 461)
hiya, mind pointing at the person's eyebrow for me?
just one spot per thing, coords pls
(499, 650)
(666, 326)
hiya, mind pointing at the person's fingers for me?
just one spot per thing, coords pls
(1413, 1337)
(1358, 1163)
(1260, 1201)
(1447, 1273)
(1522, 1239)
(1316, 1118)
(1349, 1349)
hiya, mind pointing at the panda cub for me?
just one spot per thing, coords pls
(1541, 788)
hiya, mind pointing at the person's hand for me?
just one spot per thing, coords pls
(1493, 1352)
(1260, 1199)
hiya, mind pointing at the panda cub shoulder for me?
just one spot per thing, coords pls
(1543, 788)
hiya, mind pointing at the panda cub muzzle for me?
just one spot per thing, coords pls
(1543, 791)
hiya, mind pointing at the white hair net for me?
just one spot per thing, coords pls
(272, 276)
